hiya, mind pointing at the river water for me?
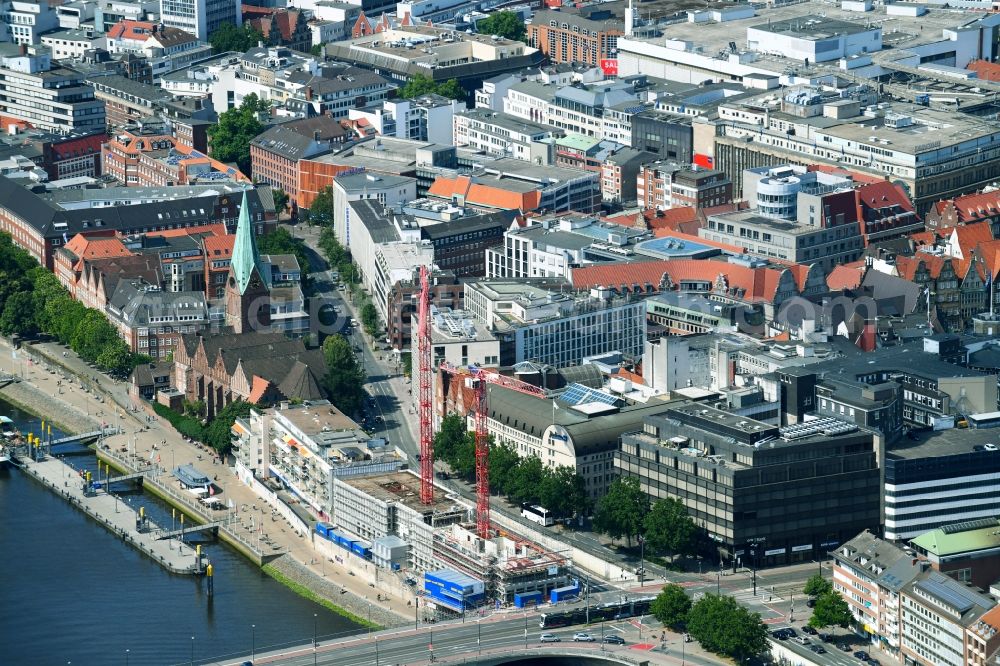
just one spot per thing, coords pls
(70, 592)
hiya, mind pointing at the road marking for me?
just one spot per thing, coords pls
(642, 646)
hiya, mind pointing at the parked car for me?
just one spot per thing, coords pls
(549, 638)
(862, 655)
(845, 647)
(826, 638)
(811, 602)
(614, 639)
(582, 637)
(779, 634)
(790, 632)
(809, 630)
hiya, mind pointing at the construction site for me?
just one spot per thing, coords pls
(401, 521)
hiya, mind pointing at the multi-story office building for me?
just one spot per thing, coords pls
(757, 489)
(571, 38)
(546, 326)
(550, 246)
(152, 320)
(795, 215)
(275, 154)
(502, 134)
(200, 17)
(937, 616)
(56, 99)
(933, 153)
(935, 478)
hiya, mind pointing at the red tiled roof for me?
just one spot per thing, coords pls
(671, 218)
(985, 70)
(213, 229)
(971, 235)
(258, 389)
(138, 31)
(631, 376)
(219, 246)
(972, 207)
(631, 220)
(757, 284)
(801, 273)
(846, 276)
(102, 247)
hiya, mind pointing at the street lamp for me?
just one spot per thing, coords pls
(192, 651)
(315, 617)
(126, 656)
(253, 642)
(642, 559)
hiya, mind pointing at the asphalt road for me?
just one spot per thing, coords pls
(520, 631)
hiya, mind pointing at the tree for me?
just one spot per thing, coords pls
(449, 436)
(115, 358)
(421, 84)
(452, 90)
(19, 315)
(317, 50)
(669, 528)
(564, 493)
(817, 586)
(724, 627)
(504, 463)
(280, 241)
(230, 137)
(526, 481)
(407, 364)
(280, 199)
(671, 606)
(506, 24)
(218, 434)
(369, 318)
(321, 214)
(623, 510)
(344, 379)
(227, 37)
(830, 609)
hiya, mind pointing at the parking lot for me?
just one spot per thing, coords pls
(829, 648)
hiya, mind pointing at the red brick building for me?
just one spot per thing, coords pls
(149, 157)
(569, 38)
(73, 156)
(276, 155)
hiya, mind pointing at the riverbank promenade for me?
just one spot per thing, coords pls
(116, 515)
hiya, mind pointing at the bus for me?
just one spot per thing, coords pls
(537, 514)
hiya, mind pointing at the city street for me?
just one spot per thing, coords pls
(497, 635)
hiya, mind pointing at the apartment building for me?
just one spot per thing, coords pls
(152, 320)
(275, 154)
(424, 118)
(937, 616)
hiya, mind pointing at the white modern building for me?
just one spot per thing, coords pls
(56, 99)
(424, 118)
(813, 39)
(547, 326)
(502, 134)
(24, 22)
(200, 17)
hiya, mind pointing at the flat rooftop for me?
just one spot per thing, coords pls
(814, 27)
(937, 443)
(402, 488)
(675, 248)
(316, 419)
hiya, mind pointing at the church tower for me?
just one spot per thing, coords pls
(248, 301)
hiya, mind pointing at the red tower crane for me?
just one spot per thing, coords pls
(424, 394)
(477, 380)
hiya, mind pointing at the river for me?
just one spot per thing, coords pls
(71, 593)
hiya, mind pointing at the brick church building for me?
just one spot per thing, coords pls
(246, 361)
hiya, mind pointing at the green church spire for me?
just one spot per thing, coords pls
(245, 254)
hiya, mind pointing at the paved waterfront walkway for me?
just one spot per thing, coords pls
(155, 440)
(117, 516)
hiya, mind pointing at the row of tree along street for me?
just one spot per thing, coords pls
(521, 479)
(33, 302)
